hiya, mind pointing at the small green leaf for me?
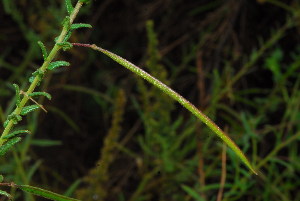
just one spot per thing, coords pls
(40, 94)
(5, 123)
(4, 148)
(43, 48)
(69, 6)
(39, 74)
(1, 178)
(14, 117)
(17, 88)
(57, 64)
(45, 193)
(31, 78)
(80, 25)
(28, 109)
(65, 45)
(5, 194)
(16, 133)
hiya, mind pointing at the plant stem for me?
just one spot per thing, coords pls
(43, 68)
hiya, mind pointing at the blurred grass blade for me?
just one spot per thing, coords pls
(45, 142)
(185, 103)
(65, 117)
(44, 193)
(191, 192)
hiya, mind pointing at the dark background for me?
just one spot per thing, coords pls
(238, 61)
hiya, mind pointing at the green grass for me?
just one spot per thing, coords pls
(150, 148)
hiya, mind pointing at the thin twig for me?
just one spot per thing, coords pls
(41, 106)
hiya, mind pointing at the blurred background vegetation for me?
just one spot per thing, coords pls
(110, 136)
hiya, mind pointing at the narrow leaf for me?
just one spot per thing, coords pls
(4, 148)
(4, 193)
(5, 123)
(185, 103)
(40, 94)
(65, 45)
(73, 187)
(57, 64)
(45, 193)
(17, 88)
(192, 193)
(28, 109)
(16, 133)
(45, 143)
(69, 6)
(43, 48)
(80, 25)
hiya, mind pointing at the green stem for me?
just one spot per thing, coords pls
(43, 68)
(185, 103)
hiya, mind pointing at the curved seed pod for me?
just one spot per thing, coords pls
(16, 133)
(69, 6)
(28, 109)
(4, 148)
(57, 64)
(44, 193)
(80, 25)
(43, 48)
(185, 103)
(40, 94)
(17, 88)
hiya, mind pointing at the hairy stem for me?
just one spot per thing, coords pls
(43, 68)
